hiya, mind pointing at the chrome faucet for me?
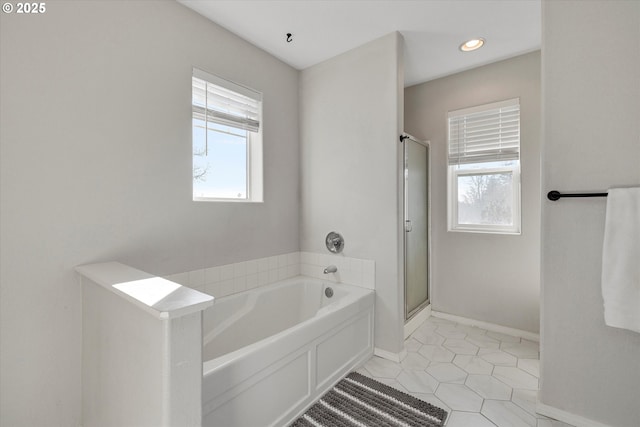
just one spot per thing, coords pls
(330, 269)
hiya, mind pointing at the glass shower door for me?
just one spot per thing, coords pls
(416, 216)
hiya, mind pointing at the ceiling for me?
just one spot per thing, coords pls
(432, 29)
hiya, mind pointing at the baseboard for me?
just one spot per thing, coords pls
(394, 357)
(417, 320)
(566, 417)
(488, 326)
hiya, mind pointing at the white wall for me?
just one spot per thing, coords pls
(500, 282)
(96, 166)
(349, 129)
(591, 114)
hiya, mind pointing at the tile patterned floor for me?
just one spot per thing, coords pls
(482, 378)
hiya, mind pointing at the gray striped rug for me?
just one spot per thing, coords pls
(360, 401)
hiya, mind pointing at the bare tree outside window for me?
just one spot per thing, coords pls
(487, 199)
(200, 170)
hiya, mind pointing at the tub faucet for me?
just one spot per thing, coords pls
(330, 269)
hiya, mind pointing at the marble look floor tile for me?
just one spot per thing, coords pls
(428, 326)
(436, 353)
(494, 385)
(483, 341)
(497, 357)
(447, 373)
(473, 364)
(448, 327)
(427, 337)
(459, 346)
(450, 332)
(363, 371)
(414, 361)
(489, 387)
(412, 345)
(507, 414)
(522, 350)
(459, 398)
(530, 366)
(440, 321)
(552, 423)
(503, 337)
(382, 368)
(468, 419)
(417, 382)
(516, 378)
(526, 399)
(431, 398)
(471, 330)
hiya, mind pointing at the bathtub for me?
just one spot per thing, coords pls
(270, 352)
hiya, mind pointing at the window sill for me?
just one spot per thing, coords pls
(213, 199)
(485, 231)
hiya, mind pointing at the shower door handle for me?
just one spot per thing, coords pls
(408, 226)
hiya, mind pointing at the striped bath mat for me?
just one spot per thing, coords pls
(360, 401)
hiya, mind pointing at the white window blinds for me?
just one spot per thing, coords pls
(223, 102)
(486, 133)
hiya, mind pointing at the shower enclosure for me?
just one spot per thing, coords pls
(416, 225)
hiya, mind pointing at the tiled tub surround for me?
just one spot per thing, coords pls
(482, 378)
(229, 279)
(353, 271)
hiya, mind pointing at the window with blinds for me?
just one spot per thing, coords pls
(484, 168)
(226, 140)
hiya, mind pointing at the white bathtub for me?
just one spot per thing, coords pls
(270, 352)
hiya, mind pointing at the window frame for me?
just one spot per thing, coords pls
(254, 148)
(454, 171)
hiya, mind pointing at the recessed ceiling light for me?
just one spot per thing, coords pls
(472, 44)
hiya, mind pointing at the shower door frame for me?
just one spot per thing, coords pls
(408, 315)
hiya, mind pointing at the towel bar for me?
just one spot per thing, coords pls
(555, 195)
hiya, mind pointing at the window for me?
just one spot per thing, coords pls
(484, 168)
(226, 140)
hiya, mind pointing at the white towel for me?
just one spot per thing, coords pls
(621, 259)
